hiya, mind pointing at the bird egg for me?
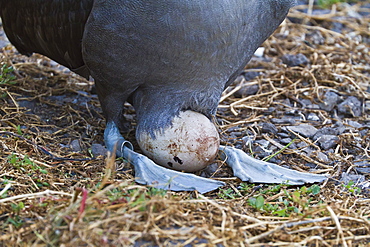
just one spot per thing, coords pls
(189, 145)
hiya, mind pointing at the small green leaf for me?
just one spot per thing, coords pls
(281, 213)
(260, 201)
(296, 196)
(315, 189)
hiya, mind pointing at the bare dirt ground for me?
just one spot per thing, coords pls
(56, 190)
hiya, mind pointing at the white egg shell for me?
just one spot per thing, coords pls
(189, 145)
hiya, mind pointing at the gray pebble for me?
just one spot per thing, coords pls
(350, 106)
(330, 100)
(294, 60)
(313, 117)
(283, 135)
(283, 120)
(354, 124)
(98, 150)
(247, 140)
(75, 145)
(346, 178)
(4, 43)
(285, 141)
(209, 170)
(364, 132)
(328, 141)
(308, 150)
(271, 110)
(362, 166)
(235, 134)
(315, 37)
(305, 130)
(329, 131)
(250, 75)
(263, 143)
(269, 128)
(29, 104)
(247, 90)
(322, 157)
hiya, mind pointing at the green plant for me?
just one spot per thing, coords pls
(6, 75)
(17, 207)
(227, 194)
(19, 130)
(14, 217)
(28, 167)
(156, 192)
(289, 202)
(134, 197)
(328, 3)
(351, 188)
(279, 151)
(25, 164)
(16, 221)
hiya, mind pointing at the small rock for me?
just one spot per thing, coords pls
(294, 60)
(4, 43)
(269, 128)
(261, 153)
(262, 150)
(30, 104)
(308, 150)
(350, 106)
(322, 157)
(362, 166)
(365, 7)
(75, 145)
(346, 178)
(285, 141)
(330, 100)
(354, 124)
(305, 130)
(271, 110)
(247, 90)
(308, 104)
(337, 27)
(284, 135)
(328, 131)
(263, 143)
(250, 75)
(247, 140)
(320, 11)
(313, 117)
(259, 52)
(283, 120)
(364, 132)
(315, 37)
(235, 134)
(351, 12)
(301, 145)
(209, 170)
(328, 141)
(98, 150)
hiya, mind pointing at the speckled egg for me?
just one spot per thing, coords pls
(189, 145)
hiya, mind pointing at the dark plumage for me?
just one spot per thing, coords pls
(162, 56)
(52, 28)
(170, 55)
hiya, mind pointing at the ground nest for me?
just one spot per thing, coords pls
(302, 102)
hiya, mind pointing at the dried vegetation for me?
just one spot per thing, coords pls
(51, 195)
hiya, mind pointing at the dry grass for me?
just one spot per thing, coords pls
(74, 202)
